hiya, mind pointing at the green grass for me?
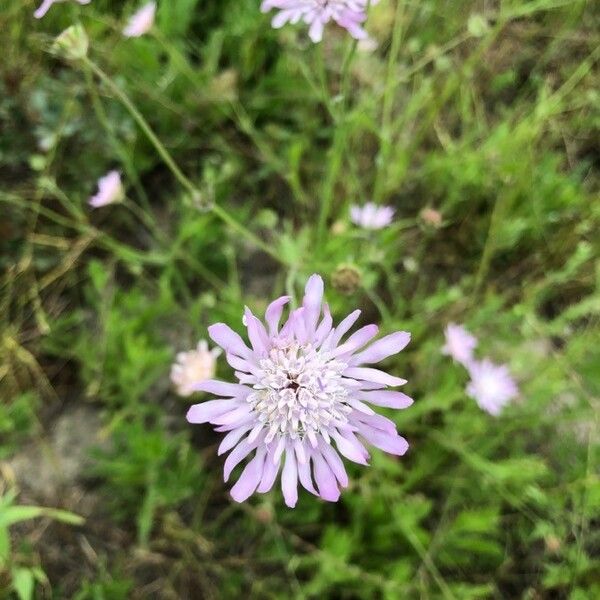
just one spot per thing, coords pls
(241, 150)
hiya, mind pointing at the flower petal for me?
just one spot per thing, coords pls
(250, 478)
(312, 301)
(387, 398)
(289, 479)
(356, 340)
(222, 388)
(206, 411)
(374, 375)
(273, 313)
(350, 447)
(229, 340)
(325, 479)
(381, 349)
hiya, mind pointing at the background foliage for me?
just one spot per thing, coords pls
(485, 111)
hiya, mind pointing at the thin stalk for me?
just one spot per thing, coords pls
(171, 164)
(339, 143)
(391, 82)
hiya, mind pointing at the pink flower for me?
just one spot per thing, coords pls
(193, 367)
(301, 394)
(491, 386)
(110, 190)
(46, 4)
(349, 14)
(459, 344)
(371, 216)
(141, 21)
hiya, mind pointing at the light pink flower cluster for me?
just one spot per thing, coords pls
(491, 385)
(190, 368)
(46, 4)
(110, 190)
(141, 21)
(302, 398)
(371, 216)
(349, 14)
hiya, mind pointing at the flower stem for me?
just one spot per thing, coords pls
(171, 164)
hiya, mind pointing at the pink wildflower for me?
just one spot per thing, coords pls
(301, 394)
(459, 344)
(194, 366)
(491, 386)
(371, 216)
(141, 21)
(46, 4)
(349, 14)
(110, 190)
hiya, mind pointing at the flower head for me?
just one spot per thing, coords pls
(459, 344)
(193, 367)
(349, 14)
(301, 398)
(371, 216)
(46, 4)
(110, 190)
(141, 21)
(491, 386)
(431, 217)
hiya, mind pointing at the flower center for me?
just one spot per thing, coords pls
(299, 392)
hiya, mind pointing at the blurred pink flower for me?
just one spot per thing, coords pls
(110, 190)
(459, 344)
(193, 367)
(349, 14)
(46, 4)
(491, 385)
(301, 389)
(371, 216)
(141, 21)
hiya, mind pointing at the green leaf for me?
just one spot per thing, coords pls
(23, 583)
(16, 514)
(4, 546)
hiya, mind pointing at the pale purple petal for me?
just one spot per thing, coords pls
(205, 412)
(273, 313)
(491, 385)
(459, 344)
(382, 349)
(110, 190)
(221, 388)
(325, 480)
(250, 478)
(289, 479)
(236, 456)
(312, 302)
(141, 21)
(387, 398)
(374, 375)
(229, 340)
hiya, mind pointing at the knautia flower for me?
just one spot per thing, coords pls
(302, 398)
(459, 344)
(349, 14)
(110, 190)
(371, 216)
(491, 385)
(46, 4)
(194, 366)
(141, 21)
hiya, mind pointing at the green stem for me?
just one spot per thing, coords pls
(168, 160)
(391, 83)
(141, 121)
(339, 143)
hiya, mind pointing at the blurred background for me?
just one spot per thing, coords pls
(478, 121)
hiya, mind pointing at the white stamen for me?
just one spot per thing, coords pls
(299, 392)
